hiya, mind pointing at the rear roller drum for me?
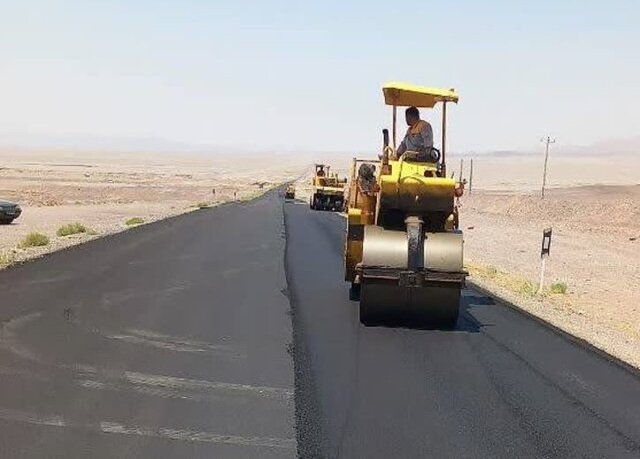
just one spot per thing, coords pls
(354, 292)
(384, 304)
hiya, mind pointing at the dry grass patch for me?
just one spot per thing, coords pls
(558, 288)
(557, 293)
(34, 239)
(71, 228)
(6, 259)
(134, 221)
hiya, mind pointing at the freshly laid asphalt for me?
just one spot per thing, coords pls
(171, 340)
(227, 333)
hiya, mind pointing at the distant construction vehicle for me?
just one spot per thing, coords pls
(290, 193)
(404, 255)
(328, 190)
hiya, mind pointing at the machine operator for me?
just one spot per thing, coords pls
(419, 138)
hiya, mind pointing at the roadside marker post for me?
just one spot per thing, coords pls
(544, 254)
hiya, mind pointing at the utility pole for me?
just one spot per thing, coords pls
(547, 141)
(461, 169)
(471, 177)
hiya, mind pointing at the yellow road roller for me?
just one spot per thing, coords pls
(328, 190)
(290, 192)
(404, 250)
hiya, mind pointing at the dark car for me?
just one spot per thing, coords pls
(9, 211)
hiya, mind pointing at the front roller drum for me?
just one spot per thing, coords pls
(411, 278)
(383, 303)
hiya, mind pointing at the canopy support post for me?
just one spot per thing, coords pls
(444, 138)
(395, 114)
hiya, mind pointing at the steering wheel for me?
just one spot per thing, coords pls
(435, 154)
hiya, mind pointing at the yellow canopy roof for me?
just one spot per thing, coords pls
(407, 95)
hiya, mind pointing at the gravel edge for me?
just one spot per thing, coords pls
(512, 302)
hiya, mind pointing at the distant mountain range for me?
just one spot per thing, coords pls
(628, 146)
(160, 145)
(101, 143)
(84, 143)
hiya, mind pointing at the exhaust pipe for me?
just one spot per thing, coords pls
(384, 169)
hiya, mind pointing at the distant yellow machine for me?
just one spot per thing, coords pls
(328, 190)
(404, 250)
(290, 193)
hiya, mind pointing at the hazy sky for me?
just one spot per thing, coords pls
(307, 74)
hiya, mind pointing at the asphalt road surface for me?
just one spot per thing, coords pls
(227, 333)
(169, 341)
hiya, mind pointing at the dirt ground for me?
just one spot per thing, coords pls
(103, 190)
(595, 253)
(593, 205)
(523, 173)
